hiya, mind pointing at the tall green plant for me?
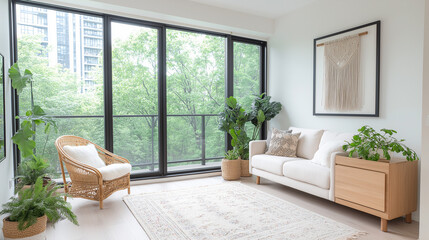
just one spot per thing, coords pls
(24, 138)
(262, 110)
(233, 119)
(35, 202)
(368, 144)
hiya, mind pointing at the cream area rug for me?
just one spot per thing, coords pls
(230, 211)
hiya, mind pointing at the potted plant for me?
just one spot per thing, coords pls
(372, 145)
(30, 210)
(231, 165)
(30, 169)
(233, 119)
(33, 166)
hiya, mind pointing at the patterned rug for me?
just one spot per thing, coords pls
(230, 211)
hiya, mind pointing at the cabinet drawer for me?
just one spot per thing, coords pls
(364, 187)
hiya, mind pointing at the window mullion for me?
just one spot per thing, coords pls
(108, 107)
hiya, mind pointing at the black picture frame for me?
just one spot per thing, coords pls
(376, 103)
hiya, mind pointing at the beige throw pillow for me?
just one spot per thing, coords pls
(269, 137)
(283, 143)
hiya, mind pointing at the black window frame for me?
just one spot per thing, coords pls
(162, 96)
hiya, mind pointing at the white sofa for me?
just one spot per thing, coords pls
(303, 172)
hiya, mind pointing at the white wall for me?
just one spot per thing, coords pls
(291, 64)
(6, 167)
(424, 170)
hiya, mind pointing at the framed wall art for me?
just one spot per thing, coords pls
(347, 72)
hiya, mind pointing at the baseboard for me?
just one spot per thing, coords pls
(174, 178)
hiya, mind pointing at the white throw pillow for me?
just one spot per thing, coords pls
(323, 155)
(85, 154)
(115, 170)
(308, 142)
(329, 136)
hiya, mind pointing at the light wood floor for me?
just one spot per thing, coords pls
(115, 221)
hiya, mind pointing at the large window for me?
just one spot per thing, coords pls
(195, 96)
(57, 85)
(247, 74)
(147, 91)
(135, 95)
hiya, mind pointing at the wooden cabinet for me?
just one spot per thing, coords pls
(387, 189)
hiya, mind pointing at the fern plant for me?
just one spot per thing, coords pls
(31, 169)
(35, 202)
(368, 144)
(232, 155)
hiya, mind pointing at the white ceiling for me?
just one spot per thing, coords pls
(266, 8)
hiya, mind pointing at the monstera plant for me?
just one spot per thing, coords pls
(33, 165)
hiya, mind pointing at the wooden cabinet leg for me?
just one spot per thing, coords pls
(408, 218)
(258, 180)
(383, 225)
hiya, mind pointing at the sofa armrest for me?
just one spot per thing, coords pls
(332, 174)
(256, 147)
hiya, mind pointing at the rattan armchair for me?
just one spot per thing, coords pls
(86, 181)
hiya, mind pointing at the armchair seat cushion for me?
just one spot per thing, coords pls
(309, 172)
(115, 170)
(271, 163)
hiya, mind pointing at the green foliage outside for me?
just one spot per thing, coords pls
(368, 144)
(35, 202)
(195, 87)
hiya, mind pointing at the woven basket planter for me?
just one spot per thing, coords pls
(245, 168)
(11, 231)
(231, 169)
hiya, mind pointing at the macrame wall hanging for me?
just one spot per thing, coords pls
(346, 72)
(342, 84)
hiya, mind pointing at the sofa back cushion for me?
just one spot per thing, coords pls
(329, 136)
(308, 142)
(323, 155)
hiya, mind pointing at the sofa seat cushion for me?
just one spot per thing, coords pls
(309, 172)
(308, 142)
(270, 163)
(115, 170)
